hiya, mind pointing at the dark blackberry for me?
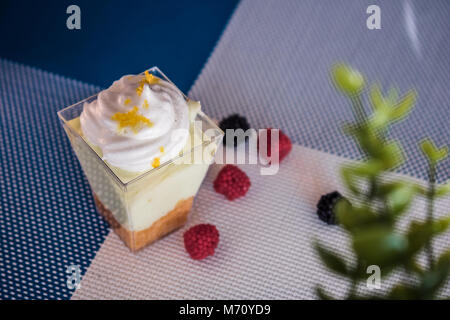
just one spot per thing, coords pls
(235, 121)
(326, 205)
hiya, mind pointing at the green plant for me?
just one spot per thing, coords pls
(371, 216)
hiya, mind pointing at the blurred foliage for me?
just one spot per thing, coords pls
(371, 217)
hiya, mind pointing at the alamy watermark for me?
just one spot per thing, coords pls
(74, 20)
(257, 147)
(374, 280)
(373, 22)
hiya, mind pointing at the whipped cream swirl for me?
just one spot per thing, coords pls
(137, 124)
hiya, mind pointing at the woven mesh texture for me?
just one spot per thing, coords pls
(47, 217)
(272, 65)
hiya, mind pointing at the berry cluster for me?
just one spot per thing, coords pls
(326, 205)
(232, 182)
(284, 145)
(201, 240)
(235, 121)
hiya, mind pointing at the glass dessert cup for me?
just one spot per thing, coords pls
(143, 207)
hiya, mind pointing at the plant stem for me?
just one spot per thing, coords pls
(352, 290)
(373, 188)
(354, 280)
(358, 109)
(430, 197)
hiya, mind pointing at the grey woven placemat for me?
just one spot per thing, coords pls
(272, 65)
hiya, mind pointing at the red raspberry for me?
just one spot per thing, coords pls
(284, 144)
(232, 182)
(201, 240)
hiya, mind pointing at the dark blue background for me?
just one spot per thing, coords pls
(116, 37)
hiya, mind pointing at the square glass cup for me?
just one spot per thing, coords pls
(145, 206)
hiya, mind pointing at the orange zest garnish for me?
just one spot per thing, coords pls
(161, 149)
(127, 101)
(151, 79)
(140, 89)
(131, 119)
(145, 105)
(155, 163)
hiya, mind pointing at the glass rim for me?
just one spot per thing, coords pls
(125, 184)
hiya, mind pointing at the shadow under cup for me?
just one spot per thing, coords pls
(151, 204)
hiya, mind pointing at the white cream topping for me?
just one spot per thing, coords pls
(162, 134)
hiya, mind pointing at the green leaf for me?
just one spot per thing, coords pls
(354, 218)
(381, 102)
(444, 262)
(392, 96)
(368, 139)
(391, 155)
(349, 179)
(387, 110)
(403, 292)
(431, 152)
(367, 169)
(349, 81)
(381, 107)
(432, 281)
(376, 98)
(380, 246)
(440, 190)
(420, 233)
(412, 266)
(405, 105)
(443, 190)
(400, 197)
(332, 260)
(428, 148)
(380, 119)
(353, 173)
(385, 188)
(322, 294)
(440, 225)
(421, 190)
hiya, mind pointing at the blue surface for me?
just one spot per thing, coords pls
(116, 37)
(47, 216)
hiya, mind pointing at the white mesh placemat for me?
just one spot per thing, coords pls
(271, 65)
(265, 249)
